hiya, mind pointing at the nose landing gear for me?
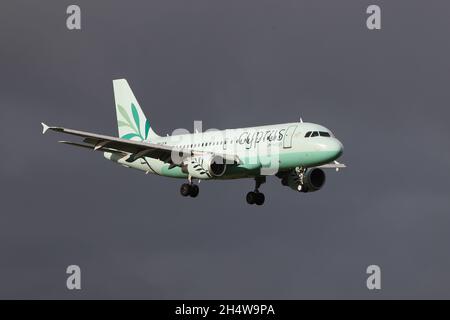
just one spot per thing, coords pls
(256, 197)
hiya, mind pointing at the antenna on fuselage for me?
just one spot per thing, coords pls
(301, 120)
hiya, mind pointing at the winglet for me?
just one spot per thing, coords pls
(44, 128)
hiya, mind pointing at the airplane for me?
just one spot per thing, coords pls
(294, 152)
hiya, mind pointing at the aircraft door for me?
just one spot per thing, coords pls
(287, 142)
(224, 145)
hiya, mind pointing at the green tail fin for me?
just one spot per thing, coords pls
(131, 120)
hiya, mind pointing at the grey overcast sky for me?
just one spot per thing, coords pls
(385, 94)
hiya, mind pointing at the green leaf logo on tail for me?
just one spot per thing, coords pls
(135, 125)
(147, 128)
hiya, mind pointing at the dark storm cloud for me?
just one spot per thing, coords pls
(231, 64)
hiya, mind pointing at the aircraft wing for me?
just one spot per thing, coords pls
(132, 149)
(333, 165)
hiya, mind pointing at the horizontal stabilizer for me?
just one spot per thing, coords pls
(94, 148)
(77, 144)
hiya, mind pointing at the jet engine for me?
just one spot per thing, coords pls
(205, 167)
(313, 180)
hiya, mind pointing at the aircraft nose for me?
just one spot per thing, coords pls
(332, 147)
(336, 147)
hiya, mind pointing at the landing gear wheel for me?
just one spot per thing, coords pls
(260, 198)
(194, 190)
(251, 197)
(185, 189)
(255, 198)
(189, 190)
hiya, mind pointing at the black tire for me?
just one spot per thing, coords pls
(284, 181)
(185, 189)
(194, 190)
(260, 198)
(251, 197)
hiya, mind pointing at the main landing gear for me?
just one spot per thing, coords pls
(256, 197)
(189, 189)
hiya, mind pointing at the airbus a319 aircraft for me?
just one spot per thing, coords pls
(295, 152)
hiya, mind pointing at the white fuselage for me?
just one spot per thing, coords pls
(269, 148)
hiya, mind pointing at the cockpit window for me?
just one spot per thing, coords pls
(311, 134)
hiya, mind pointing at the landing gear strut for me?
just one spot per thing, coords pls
(189, 189)
(256, 197)
(301, 173)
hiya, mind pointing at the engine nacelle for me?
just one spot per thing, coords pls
(313, 180)
(216, 165)
(204, 167)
